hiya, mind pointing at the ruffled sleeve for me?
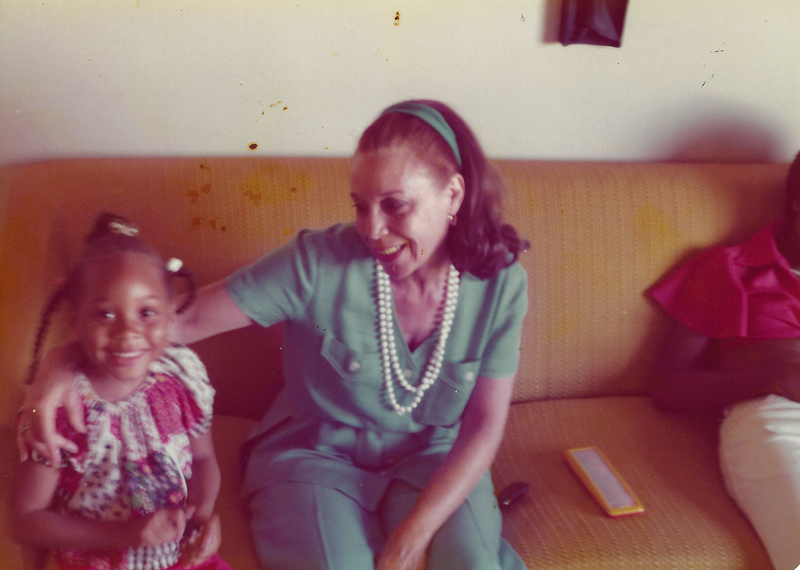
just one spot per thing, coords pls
(197, 401)
(706, 295)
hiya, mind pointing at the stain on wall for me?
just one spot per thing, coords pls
(211, 223)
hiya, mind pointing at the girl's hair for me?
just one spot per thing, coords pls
(479, 242)
(793, 186)
(112, 236)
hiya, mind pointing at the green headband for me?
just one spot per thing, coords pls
(431, 116)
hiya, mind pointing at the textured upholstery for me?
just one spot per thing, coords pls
(670, 462)
(600, 234)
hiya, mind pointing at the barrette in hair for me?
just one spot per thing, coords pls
(174, 264)
(122, 228)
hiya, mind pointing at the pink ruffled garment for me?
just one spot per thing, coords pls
(135, 457)
(741, 294)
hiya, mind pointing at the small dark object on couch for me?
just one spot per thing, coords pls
(511, 493)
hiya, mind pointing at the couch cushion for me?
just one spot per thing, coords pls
(237, 545)
(669, 460)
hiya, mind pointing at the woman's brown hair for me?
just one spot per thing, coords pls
(479, 242)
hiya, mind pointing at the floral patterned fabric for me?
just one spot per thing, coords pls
(135, 457)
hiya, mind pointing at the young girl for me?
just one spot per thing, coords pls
(145, 469)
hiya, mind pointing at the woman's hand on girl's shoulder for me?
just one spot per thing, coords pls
(52, 388)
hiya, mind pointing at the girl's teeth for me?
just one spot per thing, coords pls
(126, 354)
(391, 250)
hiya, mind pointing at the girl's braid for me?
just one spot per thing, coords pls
(52, 304)
(192, 294)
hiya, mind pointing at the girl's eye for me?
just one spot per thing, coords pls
(104, 315)
(148, 312)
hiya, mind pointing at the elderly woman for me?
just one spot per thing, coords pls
(402, 332)
(735, 349)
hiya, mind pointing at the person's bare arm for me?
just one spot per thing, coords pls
(681, 385)
(213, 312)
(34, 524)
(205, 481)
(203, 490)
(482, 425)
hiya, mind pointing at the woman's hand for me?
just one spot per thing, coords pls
(202, 542)
(482, 425)
(160, 527)
(52, 388)
(403, 552)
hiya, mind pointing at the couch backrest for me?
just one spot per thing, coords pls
(600, 234)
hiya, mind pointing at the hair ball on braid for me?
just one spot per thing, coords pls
(112, 223)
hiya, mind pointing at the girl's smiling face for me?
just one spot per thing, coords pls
(122, 318)
(402, 206)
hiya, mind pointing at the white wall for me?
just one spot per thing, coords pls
(694, 79)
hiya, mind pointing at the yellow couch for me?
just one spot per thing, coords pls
(600, 234)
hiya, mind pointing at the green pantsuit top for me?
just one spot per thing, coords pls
(333, 467)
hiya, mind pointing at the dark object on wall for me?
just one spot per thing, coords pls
(596, 22)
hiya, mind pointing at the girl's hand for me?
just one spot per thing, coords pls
(400, 553)
(52, 388)
(202, 542)
(160, 527)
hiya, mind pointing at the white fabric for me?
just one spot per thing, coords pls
(760, 459)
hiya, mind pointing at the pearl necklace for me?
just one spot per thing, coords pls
(391, 364)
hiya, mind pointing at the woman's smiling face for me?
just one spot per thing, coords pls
(402, 206)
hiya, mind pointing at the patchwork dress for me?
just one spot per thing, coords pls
(741, 295)
(332, 468)
(135, 457)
